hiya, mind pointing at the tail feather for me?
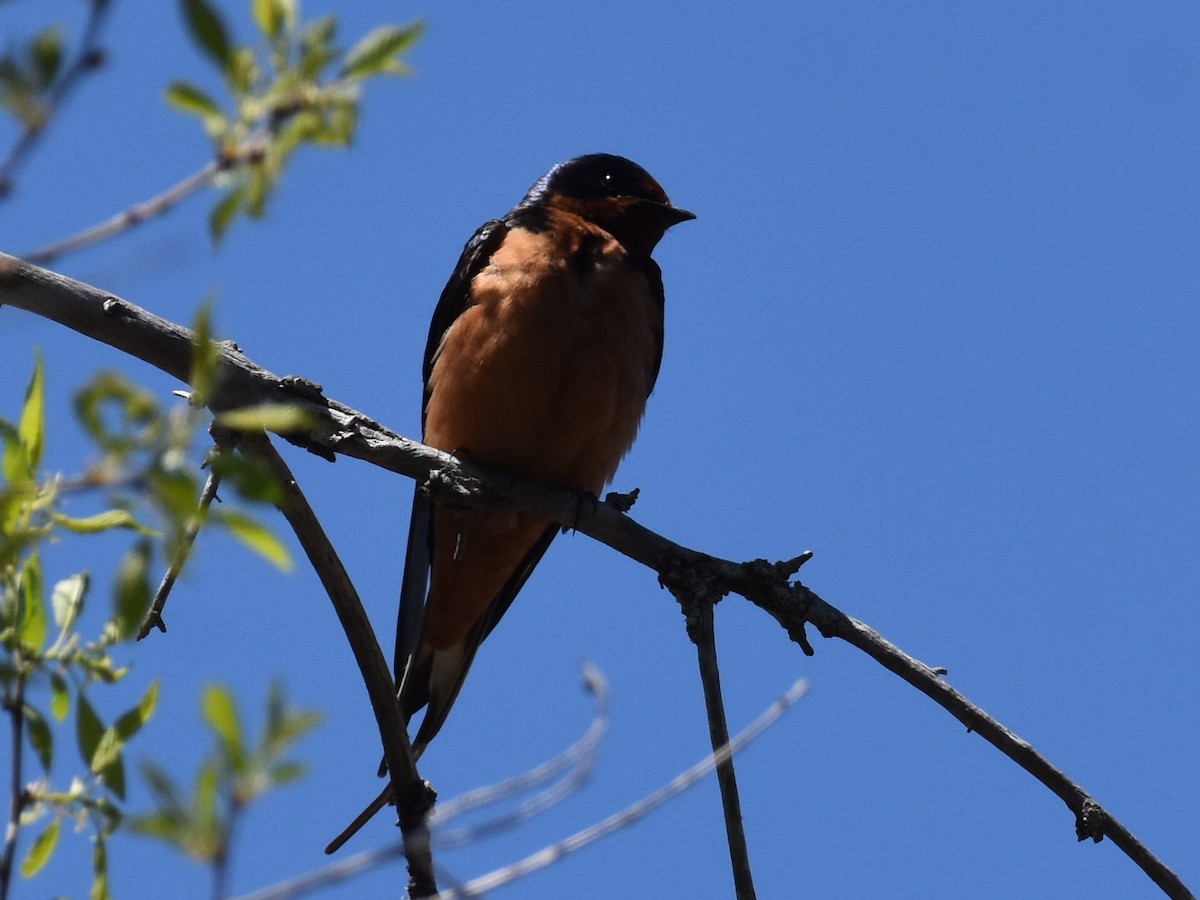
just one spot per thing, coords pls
(384, 798)
(432, 678)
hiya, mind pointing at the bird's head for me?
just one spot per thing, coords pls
(614, 193)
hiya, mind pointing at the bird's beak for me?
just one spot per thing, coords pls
(674, 215)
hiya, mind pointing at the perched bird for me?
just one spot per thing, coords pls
(543, 348)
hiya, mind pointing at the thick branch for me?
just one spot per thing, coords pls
(167, 346)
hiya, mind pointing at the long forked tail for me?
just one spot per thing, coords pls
(384, 798)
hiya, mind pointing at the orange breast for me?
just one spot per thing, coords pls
(545, 375)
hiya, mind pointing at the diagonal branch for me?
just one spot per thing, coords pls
(134, 215)
(413, 796)
(168, 346)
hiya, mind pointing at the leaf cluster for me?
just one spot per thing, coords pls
(28, 74)
(292, 86)
(42, 646)
(49, 667)
(235, 774)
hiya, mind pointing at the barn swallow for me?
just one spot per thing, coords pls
(544, 346)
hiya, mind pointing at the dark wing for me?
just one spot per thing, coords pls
(454, 299)
(654, 276)
(456, 295)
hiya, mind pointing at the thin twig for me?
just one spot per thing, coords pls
(697, 598)
(224, 857)
(88, 59)
(635, 812)
(168, 346)
(154, 617)
(364, 862)
(579, 759)
(17, 798)
(413, 796)
(134, 215)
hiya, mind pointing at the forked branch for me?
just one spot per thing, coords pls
(345, 431)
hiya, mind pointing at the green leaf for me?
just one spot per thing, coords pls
(243, 72)
(99, 871)
(338, 125)
(315, 49)
(282, 418)
(46, 54)
(41, 850)
(205, 353)
(274, 17)
(224, 212)
(378, 53)
(33, 416)
(188, 98)
(101, 667)
(131, 590)
(109, 764)
(255, 536)
(107, 751)
(131, 722)
(207, 29)
(204, 815)
(285, 728)
(88, 729)
(177, 492)
(67, 600)
(220, 712)
(17, 470)
(250, 477)
(285, 773)
(32, 624)
(110, 396)
(40, 737)
(60, 697)
(105, 521)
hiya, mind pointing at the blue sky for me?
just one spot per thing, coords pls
(936, 321)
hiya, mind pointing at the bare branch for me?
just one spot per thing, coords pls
(413, 796)
(697, 596)
(451, 482)
(366, 861)
(631, 814)
(580, 754)
(134, 215)
(154, 617)
(579, 758)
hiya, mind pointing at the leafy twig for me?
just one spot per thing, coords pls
(88, 59)
(280, 101)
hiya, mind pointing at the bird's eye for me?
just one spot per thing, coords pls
(607, 181)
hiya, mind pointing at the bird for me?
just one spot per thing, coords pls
(543, 349)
